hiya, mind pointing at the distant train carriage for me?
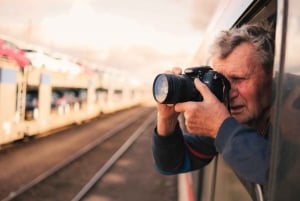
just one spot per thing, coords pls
(37, 100)
(217, 182)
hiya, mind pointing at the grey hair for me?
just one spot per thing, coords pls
(260, 35)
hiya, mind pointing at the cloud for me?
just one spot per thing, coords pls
(141, 36)
(202, 12)
(133, 57)
(83, 24)
(142, 61)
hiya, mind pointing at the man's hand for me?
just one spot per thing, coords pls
(166, 114)
(205, 117)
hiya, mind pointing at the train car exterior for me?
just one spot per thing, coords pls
(217, 182)
(10, 127)
(36, 100)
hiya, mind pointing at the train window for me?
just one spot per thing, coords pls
(218, 181)
(118, 93)
(31, 105)
(101, 96)
(284, 174)
(227, 184)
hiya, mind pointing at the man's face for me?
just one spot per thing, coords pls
(250, 94)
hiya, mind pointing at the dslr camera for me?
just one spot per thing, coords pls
(171, 89)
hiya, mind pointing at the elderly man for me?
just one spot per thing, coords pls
(245, 57)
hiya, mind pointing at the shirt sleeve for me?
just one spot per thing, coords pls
(244, 149)
(178, 153)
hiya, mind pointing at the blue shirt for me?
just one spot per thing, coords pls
(243, 149)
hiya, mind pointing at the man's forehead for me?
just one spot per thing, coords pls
(235, 70)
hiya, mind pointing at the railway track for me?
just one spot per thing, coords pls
(102, 171)
(72, 178)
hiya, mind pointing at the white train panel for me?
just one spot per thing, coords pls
(35, 101)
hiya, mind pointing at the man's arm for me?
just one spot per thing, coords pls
(244, 149)
(178, 153)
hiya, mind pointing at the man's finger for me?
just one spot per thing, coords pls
(177, 70)
(186, 106)
(202, 88)
(180, 107)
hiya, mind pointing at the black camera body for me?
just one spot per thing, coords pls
(171, 89)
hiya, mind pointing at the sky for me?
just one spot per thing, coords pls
(138, 36)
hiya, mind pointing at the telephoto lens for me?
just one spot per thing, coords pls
(171, 89)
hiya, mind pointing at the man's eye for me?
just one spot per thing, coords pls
(237, 78)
